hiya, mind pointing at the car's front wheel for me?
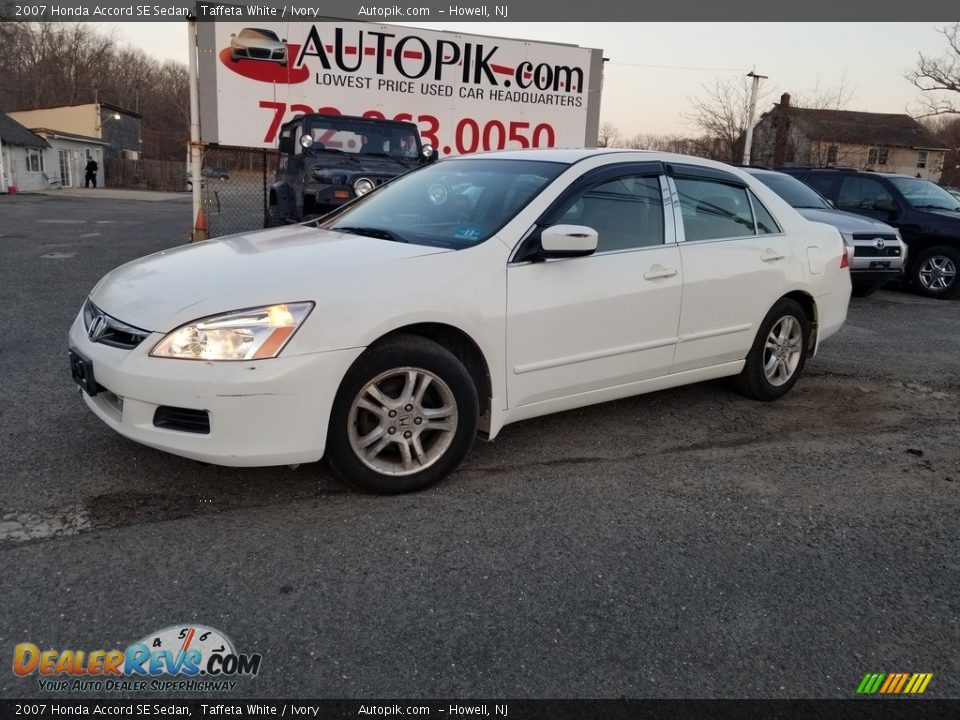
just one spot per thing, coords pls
(934, 273)
(778, 354)
(404, 417)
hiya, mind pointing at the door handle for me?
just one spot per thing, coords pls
(772, 255)
(659, 271)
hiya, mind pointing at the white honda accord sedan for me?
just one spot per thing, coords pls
(463, 296)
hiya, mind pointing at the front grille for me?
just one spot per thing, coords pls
(873, 251)
(258, 53)
(886, 237)
(109, 330)
(182, 419)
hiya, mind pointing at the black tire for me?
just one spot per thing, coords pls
(402, 351)
(274, 219)
(864, 290)
(752, 380)
(942, 252)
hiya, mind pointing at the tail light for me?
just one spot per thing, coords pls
(845, 258)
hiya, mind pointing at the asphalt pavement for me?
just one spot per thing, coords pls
(687, 543)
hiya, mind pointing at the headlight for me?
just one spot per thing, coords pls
(362, 186)
(252, 334)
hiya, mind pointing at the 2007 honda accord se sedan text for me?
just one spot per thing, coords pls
(463, 296)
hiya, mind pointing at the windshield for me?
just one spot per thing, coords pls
(355, 136)
(924, 194)
(453, 203)
(258, 34)
(793, 191)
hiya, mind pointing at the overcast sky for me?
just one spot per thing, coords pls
(655, 68)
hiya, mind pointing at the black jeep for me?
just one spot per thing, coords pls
(328, 160)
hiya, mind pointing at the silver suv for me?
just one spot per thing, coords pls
(877, 252)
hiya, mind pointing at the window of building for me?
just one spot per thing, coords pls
(878, 156)
(833, 152)
(626, 212)
(35, 160)
(714, 210)
(922, 159)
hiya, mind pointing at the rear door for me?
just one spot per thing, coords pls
(736, 264)
(577, 325)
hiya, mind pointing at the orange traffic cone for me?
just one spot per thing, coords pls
(200, 231)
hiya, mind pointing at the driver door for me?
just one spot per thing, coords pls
(578, 325)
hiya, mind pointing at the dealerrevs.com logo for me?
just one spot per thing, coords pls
(182, 657)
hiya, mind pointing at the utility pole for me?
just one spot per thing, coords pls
(751, 114)
(196, 170)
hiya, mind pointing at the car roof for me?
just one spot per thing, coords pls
(569, 156)
(851, 171)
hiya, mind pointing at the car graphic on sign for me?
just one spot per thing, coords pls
(258, 44)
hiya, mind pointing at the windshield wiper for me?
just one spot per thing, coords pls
(936, 207)
(373, 232)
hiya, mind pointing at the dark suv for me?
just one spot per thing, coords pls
(328, 160)
(927, 216)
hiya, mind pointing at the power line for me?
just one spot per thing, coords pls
(677, 67)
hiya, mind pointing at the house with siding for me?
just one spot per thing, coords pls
(23, 158)
(118, 127)
(788, 135)
(69, 154)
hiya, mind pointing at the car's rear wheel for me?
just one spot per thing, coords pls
(778, 354)
(404, 417)
(934, 273)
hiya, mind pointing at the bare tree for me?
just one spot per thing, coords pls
(939, 77)
(608, 136)
(54, 64)
(720, 112)
(821, 97)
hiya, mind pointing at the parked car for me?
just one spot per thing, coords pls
(877, 253)
(329, 160)
(463, 296)
(258, 44)
(927, 216)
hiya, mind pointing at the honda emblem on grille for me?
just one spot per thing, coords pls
(880, 243)
(98, 327)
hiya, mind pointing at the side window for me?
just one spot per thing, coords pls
(863, 193)
(766, 225)
(626, 212)
(821, 182)
(714, 210)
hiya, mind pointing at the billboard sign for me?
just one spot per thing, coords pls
(467, 93)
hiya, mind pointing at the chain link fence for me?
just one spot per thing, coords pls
(236, 188)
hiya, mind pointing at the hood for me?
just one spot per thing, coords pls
(163, 291)
(949, 214)
(357, 163)
(846, 222)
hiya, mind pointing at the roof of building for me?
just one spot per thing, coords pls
(103, 105)
(13, 133)
(862, 128)
(48, 133)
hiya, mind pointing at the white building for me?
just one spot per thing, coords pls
(70, 153)
(23, 158)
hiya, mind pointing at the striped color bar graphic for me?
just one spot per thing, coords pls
(894, 683)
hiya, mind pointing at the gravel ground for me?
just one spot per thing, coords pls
(688, 543)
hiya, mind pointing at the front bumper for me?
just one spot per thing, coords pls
(261, 412)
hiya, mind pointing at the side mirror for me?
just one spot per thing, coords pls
(566, 241)
(286, 145)
(284, 41)
(233, 34)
